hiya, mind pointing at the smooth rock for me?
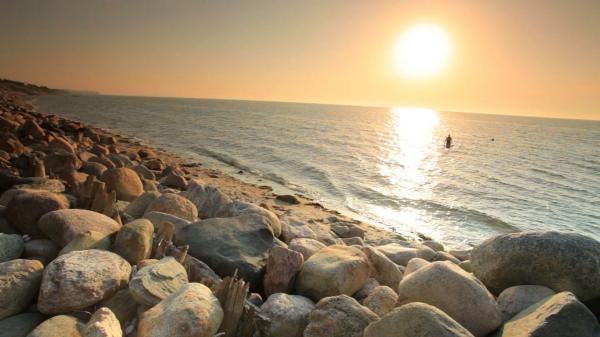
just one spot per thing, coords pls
(561, 315)
(175, 181)
(560, 261)
(227, 244)
(11, 247)
(339, 316)
(461, 254)
(454, 291)
(202, 318)
(383, 270)
(436, 246)
(515, 299)
(295, 229)
(174, 204)
(288, 314)
(160, 219)
(443, 256)
(19, 282)
(125, 182)
(282, 266)
(416, 319)
(305, 246)
(288, 198)
(59, 326)
(414, 265)
(103, 323)
(26, 208)
(239, 208)
(134, 240)
(123, 306)
(363, 292)
(93, 169)
(381, 300)
(138, 206)
(79, 279)
(20, 325)
(88, 240)
(209, 200)
(155, 282)
(62, 226)
(333, 270)
(42, 250)
(401, 255)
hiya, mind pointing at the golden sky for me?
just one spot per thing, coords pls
(510, 57)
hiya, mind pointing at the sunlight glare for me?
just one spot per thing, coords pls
(422, 51)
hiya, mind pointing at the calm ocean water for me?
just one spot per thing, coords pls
(387, 166)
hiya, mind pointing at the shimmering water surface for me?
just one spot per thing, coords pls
(388, 166)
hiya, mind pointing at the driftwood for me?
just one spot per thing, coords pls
(94, 196)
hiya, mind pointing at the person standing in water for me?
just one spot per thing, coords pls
(448, 141)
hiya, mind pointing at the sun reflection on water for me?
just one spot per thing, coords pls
(408, 165)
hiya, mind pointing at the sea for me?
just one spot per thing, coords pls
(386, 166)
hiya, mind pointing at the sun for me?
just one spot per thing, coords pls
(422, 51)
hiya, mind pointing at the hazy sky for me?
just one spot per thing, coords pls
(510, 57)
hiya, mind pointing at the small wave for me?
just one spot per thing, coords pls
(224, 158)
(546, 172)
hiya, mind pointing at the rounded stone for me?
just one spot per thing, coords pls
(124, 181)
(19, 283)
(134, 240)
(27, 207)
(288, 314)
(62, 226)
(11, 247)
(155, 282)
(174, 204)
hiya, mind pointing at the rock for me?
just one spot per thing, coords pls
(5, 227)
(363, 292)
(339, 316)
(138, 206)
(333, 270)
(146, 262)
(159, 220)
(146, 153)
(454, 291)
(41, 184)
(466, 266)
(288, 198)
(238, 208)
(11, 247)
(109, 164)
(443, 256)
(93, 169)
(282, 266)
(59, 326)
(203, 314)
(79, 279)
(62, 226)
(134, 240)
(125, 182)
(296, 229)
(59, 143)
(174, 204)
(227, 244)
(25, 209)
(383, 270)
(155, 164)
(42, 250)
(88, 240)
(401, 255)
(123, 306)
(19, 282)
(60, 163)
(463, 255)
(436, 246)
(20, 325)
(347, 230)
(560, 261)
(155, 282)
(175, 181)
(32, 128)
(288, 314)
(561, 315)
(381, 300)
(103, 323)
(414, 265)
(515, 299)
(416, 319)
(209, 200)
(144, 172)
(305, 246)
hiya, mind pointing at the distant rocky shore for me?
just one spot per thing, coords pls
(101, 235)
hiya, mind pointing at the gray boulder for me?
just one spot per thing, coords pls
(515, 299)
(305, 246)
(160, 219)
(561, 315)
(560, 261)
(381, 300)
(19, 283)
(11, 247)
(64, 225)
(59, 326)
(134, 240)
(288, 314)
(227, 244)
(155, 282)
(339, 316)
(174, 204)
(88, 240)
(401, 255)
(384, 270)
(416, 319)
(138, 206)
(20, 325)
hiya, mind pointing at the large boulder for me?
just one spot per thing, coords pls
(138, 206)
(333, 270)
(155, 282)
(282, 266)
(288, 314)
(122, 305)
(561, 315)
(560, 261)
(174, 204)
(25, 209)
(401, 255)
(88, 240)
(239, 208)
(79, 279)
(384, 270)
(381, 300)
(43, 250)
(19, 283)
(192, 311)
(64, 225)
(134, 240)
(11, 247)
(228, 244)
(160, 219)
(209, 200)
(339, 316)
(103, 323)
(59, 326)
(416, 319)
(515, 299)
(305, 246)
(20, 325)
(454, 291)
(125, 182)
